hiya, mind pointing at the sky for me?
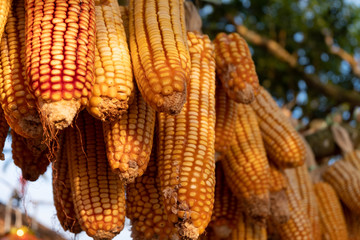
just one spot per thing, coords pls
(38, 199)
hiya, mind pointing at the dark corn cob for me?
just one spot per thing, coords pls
(283, 144)
(18, 104)
(235, 67)
(129, 140)
(159, 52)
(352, 223)
(98, 193)
(279, 204)
(186, 161)
(332, 218)
(63, 200)
(60, 51)
(4, 130)
(226, 114)
(345, 179)
(247, 230)
(246, 166)
(300, 180)
(298, 227)
(30, 155)
(226, 207)
(353, 158)
(113, 89)
(145, 209)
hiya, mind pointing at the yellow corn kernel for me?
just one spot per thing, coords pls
(4, 11)
(91, 178)
(345, 179)
(186, 161)
(63, 200)
(246, 166)
(246, 229)
(298, 227)
(227, 209)
(144, 206)
(300, 180)
(353, 158)
(235, 67)
(60, 53)
(18, 104)
(4, 129)
(113, 89)
(30, 155)
(159, 52)
(226, 114)
(129, 140)
(331, 214)
(282, 143)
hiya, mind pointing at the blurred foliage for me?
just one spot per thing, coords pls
(298, 26)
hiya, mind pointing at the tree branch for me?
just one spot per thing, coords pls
(332, 91)
(338, 51)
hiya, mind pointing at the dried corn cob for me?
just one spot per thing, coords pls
(60, 51)
(63, 200)
(226, 206)
(345, 179)
(352, 223)
(332, 218)
(113, 89)
(31, 157)
(283, 144)
(18, 104)
(4, 11)
(129, 140)
(186, 162)
(279, 204)
(226, 114)
(298, 227)
(353, 157)
(98, 193)
(4, 129)
(235, 67)
(246, 166)
(247, 230)
(300, 180)
(145, 209)
(159, 52)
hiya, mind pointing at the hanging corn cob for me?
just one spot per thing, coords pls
(63, 200)
(279, 204)
(186, 162)
(331, 214)
(4, 130)
(300, 180)
(298, 227)
(246, 166)
(98, 193)
(159, 52)
(112, 92)
(4, 11)
(60, 51)
(226, 114)
(247, 230)
(283, 144)
(352, 223)
(18, 104)
(31, 156)
(345, 179)
(129, 140)
(144, 206)
(226, 210)
(235, 67)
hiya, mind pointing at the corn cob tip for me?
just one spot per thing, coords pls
(173, 103)
(31, 125)
(106, 235)
(247, 95)
(188, 231)
(110, 109)
(222, 231)
(60, 114)
(258, 209)
(130, 175)
(279, 207)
